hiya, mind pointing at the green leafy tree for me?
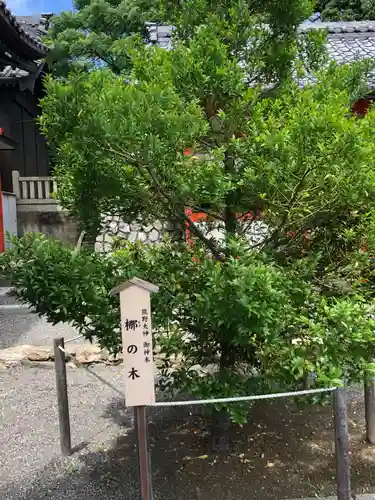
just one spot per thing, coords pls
(89, 36)
(346, 10)
(270, 301)
(269, 60)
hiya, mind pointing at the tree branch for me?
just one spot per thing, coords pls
(290, 204)
(110, 62)
(80, 239)
(176, 212)
(214, 215)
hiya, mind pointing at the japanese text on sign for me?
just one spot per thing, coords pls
(137, 345)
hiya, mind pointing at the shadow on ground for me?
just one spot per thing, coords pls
(14, 325)
(283, 452)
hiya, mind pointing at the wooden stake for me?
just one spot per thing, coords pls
(370, 408)
(341, 444)
(143, 453)
(62, 397)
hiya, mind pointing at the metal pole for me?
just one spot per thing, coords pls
(341, 444)
(62, 397)
(143, 453)
(370, 408)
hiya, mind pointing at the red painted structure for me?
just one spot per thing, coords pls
(360, 108)
(2, 239)
(197, 216)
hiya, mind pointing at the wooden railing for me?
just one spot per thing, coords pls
(33, 190)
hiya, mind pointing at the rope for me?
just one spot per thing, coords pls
(244, 398)
(73, 338)
(81, 365)
(214, 400)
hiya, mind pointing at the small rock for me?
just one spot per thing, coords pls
(135, 226)
(154, 236)
(113, 226)
(142, 236)
(114, 358)
(125, 228)
(14, 354)
(148, 228)
(39, 354)
(104, 355)
(89, 354)
(133, 236)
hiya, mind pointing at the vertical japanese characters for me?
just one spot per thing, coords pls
(136, 327)
(146, 333)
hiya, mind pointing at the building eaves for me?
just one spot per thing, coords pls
(340, 27)
(346, 41)
(160, 34)
(36, 26)
(25, 80)
(9, 72)
(11, 27)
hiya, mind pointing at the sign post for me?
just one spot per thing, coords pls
(136, 328)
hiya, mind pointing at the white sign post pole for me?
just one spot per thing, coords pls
(137, 348)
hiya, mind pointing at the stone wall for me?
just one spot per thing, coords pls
(114, 227)
(48, 219)
(51, 220)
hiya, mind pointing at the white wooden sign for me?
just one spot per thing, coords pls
(136, 330)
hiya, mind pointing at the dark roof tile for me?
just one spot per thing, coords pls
(346, 41)
(21, 25)
(9, 72)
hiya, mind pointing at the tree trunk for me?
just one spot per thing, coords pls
(221, 420)
(89, 239)
(230, 215)
(220, 431)
(370, 408)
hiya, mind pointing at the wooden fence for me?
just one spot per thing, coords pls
(33, 190)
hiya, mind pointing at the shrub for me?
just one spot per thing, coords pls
(240, 326)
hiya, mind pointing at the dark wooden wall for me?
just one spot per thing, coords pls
(18, 112)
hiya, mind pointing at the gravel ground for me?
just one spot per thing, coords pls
(103, 466)
(21, 326)
(357, 497)
(31, 466)
(282, 452)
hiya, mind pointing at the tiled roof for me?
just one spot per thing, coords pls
(160, 35)
(25, 32)
(339, 27)
(347, 41)
(10, 75)
(35, 26)
(29, 31)
(9, 72)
